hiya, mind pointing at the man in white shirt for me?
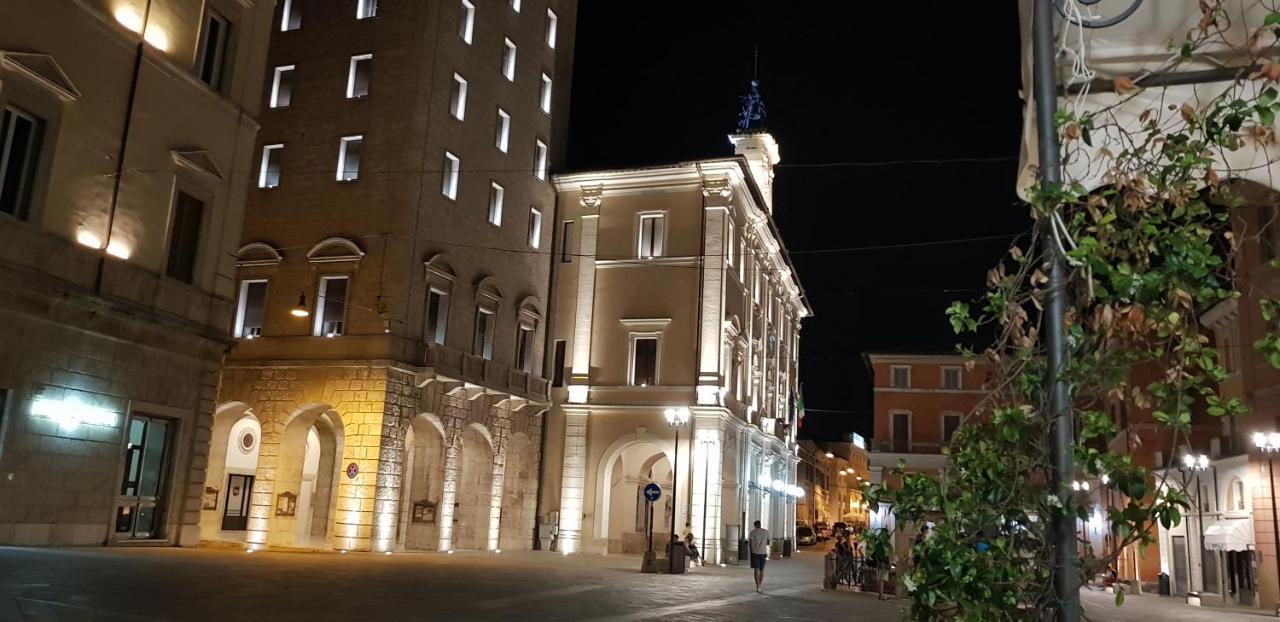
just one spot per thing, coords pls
(759, 544)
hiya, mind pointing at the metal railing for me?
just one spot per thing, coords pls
(472, 368)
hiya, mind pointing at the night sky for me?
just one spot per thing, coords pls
(842, 81)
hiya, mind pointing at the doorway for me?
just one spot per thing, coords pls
(236, 515)
(141, 504)
(1180, 570)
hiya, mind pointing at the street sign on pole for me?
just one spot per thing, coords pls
(652, 491)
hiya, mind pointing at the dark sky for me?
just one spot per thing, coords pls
(842, 82)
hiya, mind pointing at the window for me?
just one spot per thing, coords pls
(358, 76)
(349, 157)
(437, 320)
(269, 174)
(557, 372)
(366, 9)
(509, 60)
(483, 344)
(729, 244)
(282, 86)
(184, 237)
(544, 96)
(503, 134)
(950, 423)
(901, 431)
(540, 160)
(1235, 496)
(651, 236)
(290, 17)
(524, 348)
(458, 98)
(331, 307)
(742, 260)
(535, 227)
(253, 303)
(495, 203)
(900, 376)
(644, 361)
(19, 150)
(449, 185)
(951, 378)
(467, 21)
(552, 22)
(515, 5)
(566, 242)
(213, 49)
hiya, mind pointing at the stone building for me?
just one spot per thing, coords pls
(672, 292)
(833, 475)
(118, 219)
(386, 388)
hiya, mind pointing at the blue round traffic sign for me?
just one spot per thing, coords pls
(652, 491)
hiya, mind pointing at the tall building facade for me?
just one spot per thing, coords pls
(386, 390)
(125, 133)
(673, 300)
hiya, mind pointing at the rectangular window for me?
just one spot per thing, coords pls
(524, 348)
(495, 203)
(458, 98)
(20, 135)
(437, 320)
(557, 371)
(728, 244)
(901, 431)
(540, 160)
(359, 75)
(269, 174)
(515, 5)
(742, 260)
(282, 86)
(552, 23)
(349, 157)
(900, 376)
(184, 237)
(502, 139)
(508, 59)
(544, 96)
(566, 242)
(483, 344)
(644, 361)
(252, 307)
(467, 21)
(331, 307)
(366, 9)
(535, 227)
(449, 185)
(213, 48)
(651, 237)
(950, 423)
(951, 378)
(290, 17)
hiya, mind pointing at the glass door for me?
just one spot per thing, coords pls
(140, 507)
(236, 515)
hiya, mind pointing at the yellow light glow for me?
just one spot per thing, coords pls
(118, 249)
(296, 312)
(129, 18)
(87, 238)
(157, 38)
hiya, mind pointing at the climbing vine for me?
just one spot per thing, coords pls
(1149, 234)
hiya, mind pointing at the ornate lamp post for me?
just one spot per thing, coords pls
(1270, 444)
(1194, 464)
(676, 418)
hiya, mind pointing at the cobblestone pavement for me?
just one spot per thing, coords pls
(132, 585)
(1101, 607)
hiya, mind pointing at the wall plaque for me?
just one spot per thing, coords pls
(286, 504)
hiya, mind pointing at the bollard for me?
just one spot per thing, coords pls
(829, 572)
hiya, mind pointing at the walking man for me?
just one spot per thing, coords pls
(759, 543)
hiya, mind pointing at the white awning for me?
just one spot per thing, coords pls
(1232, 534)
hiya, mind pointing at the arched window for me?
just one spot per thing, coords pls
(1235, 495)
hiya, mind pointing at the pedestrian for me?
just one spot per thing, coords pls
(692, 550)
(759, 544)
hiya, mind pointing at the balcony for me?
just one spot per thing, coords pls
(454, 363)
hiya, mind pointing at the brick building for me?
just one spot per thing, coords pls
(387, 386)
(118, 220)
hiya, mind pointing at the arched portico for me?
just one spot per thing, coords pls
(624, 468)
(233, 460)
(295, 500)
(423, 484)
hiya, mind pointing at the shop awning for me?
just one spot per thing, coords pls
(1233, 534)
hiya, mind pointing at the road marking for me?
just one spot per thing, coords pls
(564, 591)
(53, 606)
(700, 605)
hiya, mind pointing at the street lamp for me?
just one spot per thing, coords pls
(1194, 463)
(676, 418)
(1270, 444)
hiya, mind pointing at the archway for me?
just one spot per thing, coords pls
(233, 462)
(628, 517)
(474, 490)
(519, 494)
(423, 484)
(307, 479)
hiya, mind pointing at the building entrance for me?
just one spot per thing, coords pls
(236, 515)
(141, 504)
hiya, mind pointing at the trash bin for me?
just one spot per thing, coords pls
(786, 547)
(744, 550)
(1164, 585)
(679, 556)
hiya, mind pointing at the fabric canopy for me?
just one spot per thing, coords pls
(1229, 535)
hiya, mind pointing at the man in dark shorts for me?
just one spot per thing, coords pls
(759, 544)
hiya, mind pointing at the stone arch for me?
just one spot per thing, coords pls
(302, 502)
(519, 492)
(605, 473)
(258, 254)
(473, 500)
(335, 249)
(229, 419)
(422, 489)
(442, 265)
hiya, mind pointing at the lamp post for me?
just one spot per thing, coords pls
(1194, 463)
(1270, 444)
(706, 443)
(676, 418)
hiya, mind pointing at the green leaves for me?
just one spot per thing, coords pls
(961, 321)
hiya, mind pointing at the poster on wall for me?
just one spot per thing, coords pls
(424, 512)
(286, 504)
(210, 501)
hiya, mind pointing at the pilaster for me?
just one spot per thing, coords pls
(573, 480)
(584, 307)
(716, 213)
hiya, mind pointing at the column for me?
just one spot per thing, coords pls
(707, 459)
(579, 373)
(453, 409)
(391, 454)
(573, 480)
(262, 499)
(716, 204)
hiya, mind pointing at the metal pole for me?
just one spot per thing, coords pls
(675, 503)
(1275, 522)
(1200, 527)
(706, 482)
(1186, 543)
(1066, 571)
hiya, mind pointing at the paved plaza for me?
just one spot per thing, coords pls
(139, 584)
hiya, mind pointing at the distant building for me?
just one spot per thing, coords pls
(672, 291)
(125, 134)
(833, 475)
(387, 386)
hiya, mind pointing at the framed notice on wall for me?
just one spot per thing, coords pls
(424, 512)
(210, 501)
(286, 504)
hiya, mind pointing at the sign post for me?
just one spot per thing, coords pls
(652, 492)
